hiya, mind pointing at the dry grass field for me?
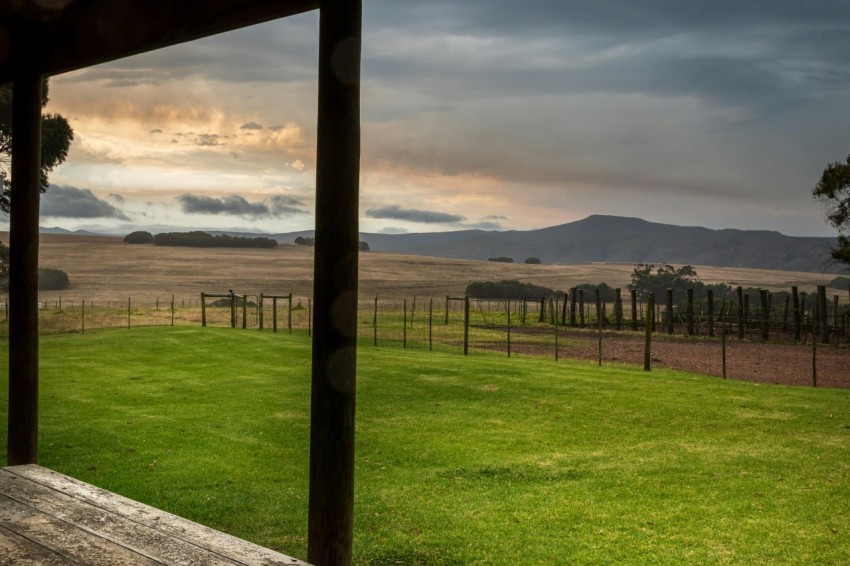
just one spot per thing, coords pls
(105, 268)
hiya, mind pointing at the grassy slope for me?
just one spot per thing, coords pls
(459, 460)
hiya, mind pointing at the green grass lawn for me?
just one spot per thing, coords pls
(476, 460)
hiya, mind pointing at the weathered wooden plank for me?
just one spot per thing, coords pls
(20, 551)
(65, 538)
(226, 545)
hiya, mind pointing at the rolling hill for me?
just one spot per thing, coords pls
(616, 239)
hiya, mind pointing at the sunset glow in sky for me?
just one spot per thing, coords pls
(476, 114)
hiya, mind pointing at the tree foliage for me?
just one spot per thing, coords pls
(509, 289)
(56, 137)
(199, 239)
(139, 237)
(52, 279)
(501, 259)
(533, 260)
(647, 278)
(833, 191)
(305, 241)
(4, 267)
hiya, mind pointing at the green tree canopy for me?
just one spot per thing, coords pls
(56, 137)
(833, 191)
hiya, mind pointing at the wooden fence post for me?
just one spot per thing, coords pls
(128, 312)
(556, 341)
(244, 311)
(172, 310)
(83, 317)
(260, 309)
(274, 313)
(508, 307)
(542, 317)
(795, 298)
(289, 315)
(203, 310)
(375, 323)
(710, 300)
(404, 325)
(747, 312)
(465, 326)
(430, 324)
(618, 309)
(447, 310)
(740, 291)
(690, 312)
(822, 314)
(564, 311)
(633, 293)
(765, 315)
(573, 297)
(669, 314)
(232, 310)
(835, 319)
(647, 344)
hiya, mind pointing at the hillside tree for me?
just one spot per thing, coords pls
(56, 138)
(833, 191)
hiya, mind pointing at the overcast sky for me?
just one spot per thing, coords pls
(492, 114)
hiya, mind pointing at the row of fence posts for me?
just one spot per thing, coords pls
(234, 300)
(92, 308)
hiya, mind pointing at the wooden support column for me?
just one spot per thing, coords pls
(331, 506)
(23, 270)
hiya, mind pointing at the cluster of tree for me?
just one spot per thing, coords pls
(501, 259)
(199, 239)
(839, 283)
(56, 137)
(509, 289)
(533, 260)
(607, 294)
(833, 191)
(139, 237)
(52, 279)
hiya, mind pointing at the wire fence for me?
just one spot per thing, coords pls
(804, 345)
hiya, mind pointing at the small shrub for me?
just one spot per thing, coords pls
(139, 237)
(51, 279)
(534, 260)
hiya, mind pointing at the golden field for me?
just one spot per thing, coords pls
(105, 268)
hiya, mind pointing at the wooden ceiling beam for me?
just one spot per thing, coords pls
(91, 32)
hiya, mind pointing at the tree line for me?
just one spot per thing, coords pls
(198, 239)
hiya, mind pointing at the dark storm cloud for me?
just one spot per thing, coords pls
(395, 212)
(235, 205)
(71, 202)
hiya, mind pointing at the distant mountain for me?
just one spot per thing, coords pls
(57, 230)
(615, 239)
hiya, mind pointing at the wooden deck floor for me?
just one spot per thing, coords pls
(47, 518)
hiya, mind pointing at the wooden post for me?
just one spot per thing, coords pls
(747, 311)
(633, 294)
(22, 430)
(618, 309)
(556, 341)
(203, 310)
(413, 311)
(795, 298)
(232, 310)
(581, 308)
(404, 325)
(430, 324)
(765, 318)
(564, 311)
(573, 296)
(723, 336)
(822, 314)
(289, 314)
(244, 311)
(172, 310)
(690, 312)
(375, 323)
(83, 317)
(785, 314)
(523, 312)
(274, 314)
(465, 326)
(669, 314)
(447, 310)
(647, 343)
(331, 504)
(508, 306)
(260, 307)
(710, 299)
(740, 291)
(835, 319)
(599, 326)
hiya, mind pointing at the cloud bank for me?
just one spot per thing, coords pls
(71, 202)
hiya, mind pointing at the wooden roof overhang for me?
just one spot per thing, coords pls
(47, 37)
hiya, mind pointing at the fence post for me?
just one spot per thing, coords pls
(785, 314)
(172, 310)
(430, 324)
(404, 325)
(289, 316)
(274, 313)
(723, 335)
(740, 291)
(581, 308)
(260, 308)
(128, 312)
(542, 310)
(618, 309)
(573, 293)
(465, 326)
(647, 344)
(447, 310)
(83, 318)
(747, 312)
(835, 319)
(822, 314)
(232, 310)
(815, 323)
(690, 312)
(375, 323)
(710, 299)
(564, 311)
(556, 341)
(633, 293)
(795, 298)
(669, 313)
(599, 324)
(508, 304)
(765, 315)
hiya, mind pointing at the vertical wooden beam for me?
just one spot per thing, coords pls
(23, 270)
(331, 505)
